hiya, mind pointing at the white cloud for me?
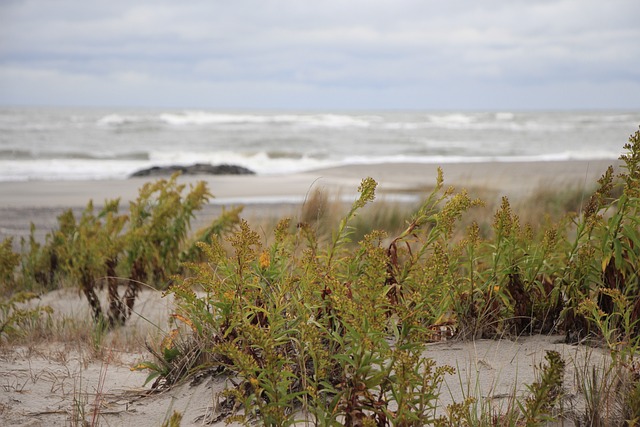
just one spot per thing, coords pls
(289, 50)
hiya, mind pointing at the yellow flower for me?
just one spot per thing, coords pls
(496, 288)
(265, 260)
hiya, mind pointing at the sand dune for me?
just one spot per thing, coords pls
(49, 384)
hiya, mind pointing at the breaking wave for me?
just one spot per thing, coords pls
(99, 144)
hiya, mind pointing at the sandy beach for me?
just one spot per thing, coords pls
(55, 384)
(48, 383)
(41, 202)
(511, 178)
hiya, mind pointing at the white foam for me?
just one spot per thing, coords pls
(89, 144)
(320, 120)
(118, 119)
(440, 159)
(259, 162)
(505, 116)
(67, 169)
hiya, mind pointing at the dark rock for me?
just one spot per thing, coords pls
(197, 169)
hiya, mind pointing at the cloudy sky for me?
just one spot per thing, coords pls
(330, 54)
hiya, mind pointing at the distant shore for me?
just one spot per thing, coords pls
(273, 195)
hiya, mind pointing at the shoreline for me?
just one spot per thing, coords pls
(512, 178)
(40, 202)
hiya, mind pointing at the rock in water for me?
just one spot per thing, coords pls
(197, 169)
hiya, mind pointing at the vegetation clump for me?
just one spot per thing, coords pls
(146, 246)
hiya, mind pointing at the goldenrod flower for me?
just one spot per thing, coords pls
(254, 381)
(265, 260)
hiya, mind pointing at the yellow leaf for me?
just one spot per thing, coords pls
(167, 342)
(185, 321)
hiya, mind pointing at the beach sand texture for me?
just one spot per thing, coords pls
(49, 383)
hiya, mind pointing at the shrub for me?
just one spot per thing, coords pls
(603, 263)
(14, 315)
(9, 261)
(286, 320)
(145, 246)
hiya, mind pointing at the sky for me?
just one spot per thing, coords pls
(322, 55)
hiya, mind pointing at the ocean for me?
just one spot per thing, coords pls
(80, 144)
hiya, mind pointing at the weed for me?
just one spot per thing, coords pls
(14, 316)
(546, 393)
(174, 421)
(9, 261)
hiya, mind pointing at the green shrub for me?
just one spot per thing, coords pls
(14, 315)
(146, 246)
(601, 277)
(286, 321)
(9, 261)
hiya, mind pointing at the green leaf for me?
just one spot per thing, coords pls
(146, 365)
(170, 354)
(632, 233)
(151, 376)
(617, 248)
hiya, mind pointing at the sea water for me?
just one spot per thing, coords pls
(73, 144)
